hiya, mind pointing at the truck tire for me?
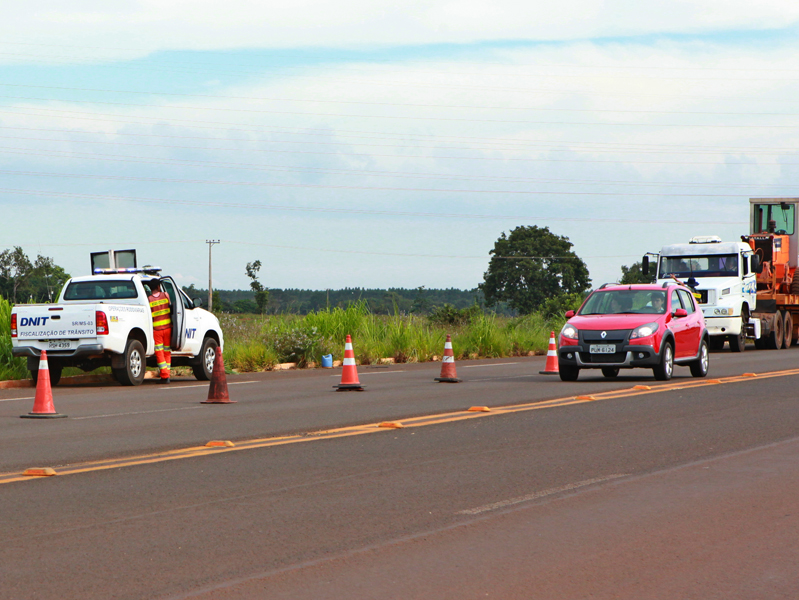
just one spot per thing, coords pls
(700, 366)
(774, 339)
(55, 373)
(135, 365)
(568, 373)
(716, 343)
(205, 368)
(738, 342)
(665, 369)
(787, 330)
(795, 283)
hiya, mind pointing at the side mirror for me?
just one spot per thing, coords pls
(197, 301)
(569, 314)
(757, 266)
(680, 312)
(645, 265)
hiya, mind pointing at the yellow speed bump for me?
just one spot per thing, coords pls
(749, 375)
(391, 424)
(220, 444)
(479, 409)
(584, 398)
(40, 472)
(642, 387)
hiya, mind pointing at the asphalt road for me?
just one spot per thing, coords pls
(674, 492)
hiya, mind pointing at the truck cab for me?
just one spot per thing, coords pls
(724, 279)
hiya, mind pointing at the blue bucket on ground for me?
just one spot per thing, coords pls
(327, 361)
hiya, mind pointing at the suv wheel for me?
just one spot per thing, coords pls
(205, 368)
(665, 369)
(568, 373)
(133, 371)
(700, 366)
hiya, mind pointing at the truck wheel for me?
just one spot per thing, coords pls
(738, 342)
(610, 371)
(700, 366)
(568, 373)
(787, 330)
(55, 373)
(774, 340)
(665, 369)
(135, 366)
(205, 369)
(716, 343)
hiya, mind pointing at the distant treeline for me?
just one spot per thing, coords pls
(380, 301)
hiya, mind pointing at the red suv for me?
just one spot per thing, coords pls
(628, 326)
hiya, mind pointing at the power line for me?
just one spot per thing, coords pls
(348, 210)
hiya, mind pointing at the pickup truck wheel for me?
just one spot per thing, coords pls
(205, 369)
(135, 366)
(55, 373)
(665, 369)
(700, 366)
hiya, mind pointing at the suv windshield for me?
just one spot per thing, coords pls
(713, 265)
(100, 290)
(625, 302)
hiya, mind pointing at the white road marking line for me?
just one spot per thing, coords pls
(142, 412)
(536, 495)
(12, 399)
(491, 365)
(374, 373)
(186, 387)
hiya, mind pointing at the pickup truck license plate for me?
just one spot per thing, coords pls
(602, 348)
(59, 345)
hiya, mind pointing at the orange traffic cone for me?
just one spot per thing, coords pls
(217, 391)
(43, 402)
(551, 367)
(349, 374)
(448, 372)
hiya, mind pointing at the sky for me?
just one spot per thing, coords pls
(383, 144)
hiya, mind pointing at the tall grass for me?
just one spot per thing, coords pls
(10, 366)
(257, 343)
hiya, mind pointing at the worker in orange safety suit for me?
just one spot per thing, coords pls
(162, 327)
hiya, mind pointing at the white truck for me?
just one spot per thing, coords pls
(105, 320)
(724, 277)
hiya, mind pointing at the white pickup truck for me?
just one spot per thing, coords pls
(105, 320)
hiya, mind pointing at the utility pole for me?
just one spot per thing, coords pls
(210, 280)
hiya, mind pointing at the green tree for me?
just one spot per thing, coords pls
(530, 266)
(261, 294)
(15, 269)
(635, 274)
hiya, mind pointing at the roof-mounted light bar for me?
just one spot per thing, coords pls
(147, 270)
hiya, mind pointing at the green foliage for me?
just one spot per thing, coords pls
(24, 281)
(10, 367)
(635, 274)
(557, 306)
(530, 266)
(261, 294)
(449, 315)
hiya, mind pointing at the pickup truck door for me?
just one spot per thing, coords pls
(178, 313)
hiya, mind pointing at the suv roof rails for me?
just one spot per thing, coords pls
(604, 285)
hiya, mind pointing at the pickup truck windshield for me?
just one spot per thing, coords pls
(709, 265)
(625, 302)
(100, 290)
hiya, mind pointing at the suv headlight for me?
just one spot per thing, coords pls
(643, 331)
(569, 331)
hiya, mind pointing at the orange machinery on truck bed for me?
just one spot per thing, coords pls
(774, 237)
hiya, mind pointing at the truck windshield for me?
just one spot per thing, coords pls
(625, 302)
(100, 290)
(714, 265)
(781, 214)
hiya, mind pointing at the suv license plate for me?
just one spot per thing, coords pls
(602, 349)
(58, 345)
